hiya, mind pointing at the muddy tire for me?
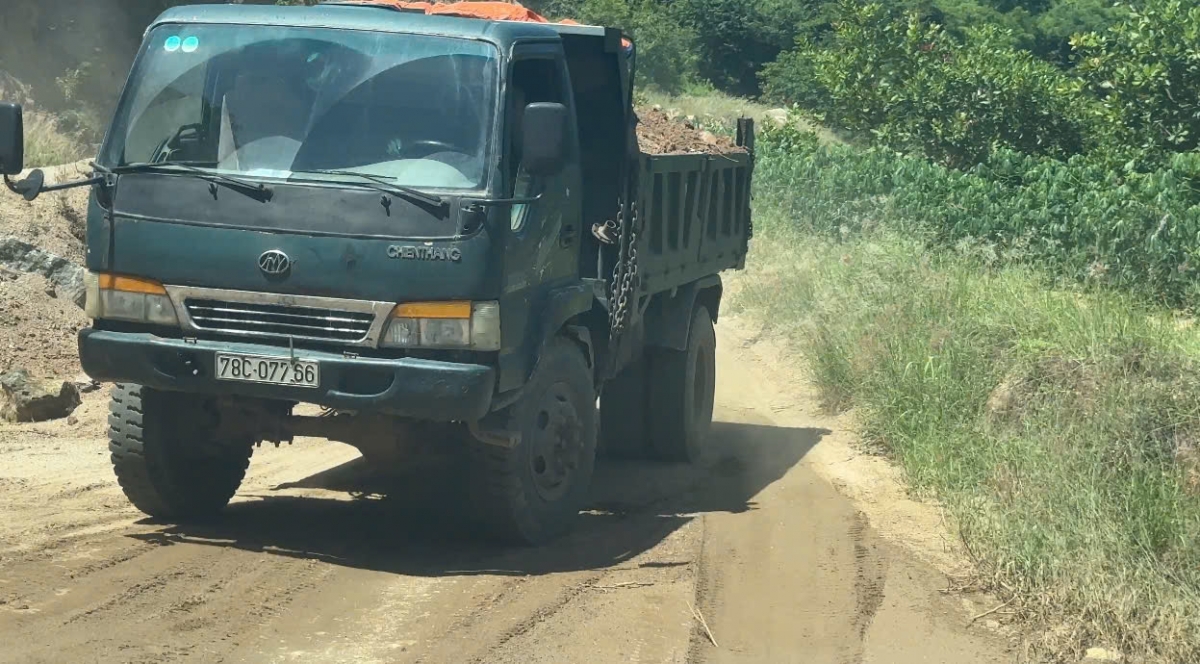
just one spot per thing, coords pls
(165, 457)
(532, 492)
(682, 387)
(624, 433)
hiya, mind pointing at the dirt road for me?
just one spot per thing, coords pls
(318, 562)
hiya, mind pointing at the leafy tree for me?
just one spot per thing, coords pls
(666, 47)
(736, 38)
(1146, 69)
(1052, 29)
(912, 86)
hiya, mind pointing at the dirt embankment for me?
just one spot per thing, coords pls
(38, 321)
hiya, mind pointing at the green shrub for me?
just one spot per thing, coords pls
(736, 38)
(915, 88)
(666, 48)
(1146, 69)
(1082, 219)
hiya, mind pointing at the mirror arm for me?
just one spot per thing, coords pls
(99, 179)
(34, 185)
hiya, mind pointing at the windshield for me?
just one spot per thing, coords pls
(279, 102)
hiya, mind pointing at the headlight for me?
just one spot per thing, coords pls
(467, 325)
(116, 297)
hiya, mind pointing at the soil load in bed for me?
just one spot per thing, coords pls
(659, 133)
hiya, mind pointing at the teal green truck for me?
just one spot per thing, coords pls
(439, 229)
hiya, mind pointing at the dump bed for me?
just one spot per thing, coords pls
(695, 214)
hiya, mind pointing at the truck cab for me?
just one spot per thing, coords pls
(397, 217)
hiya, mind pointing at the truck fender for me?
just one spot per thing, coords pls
(562, 305)
(669, 316)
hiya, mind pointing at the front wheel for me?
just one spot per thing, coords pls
(532, 492)
(167, 454)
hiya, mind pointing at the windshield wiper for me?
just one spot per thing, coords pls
(254, 189)
(385, 184)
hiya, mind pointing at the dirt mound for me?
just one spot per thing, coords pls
(659, 133)
(39, 321)
(38, 327)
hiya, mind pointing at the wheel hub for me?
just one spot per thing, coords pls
(556, 444)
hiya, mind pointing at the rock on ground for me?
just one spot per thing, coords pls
(67, 277)
(27, 399)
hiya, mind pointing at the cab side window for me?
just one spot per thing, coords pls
(533, 80)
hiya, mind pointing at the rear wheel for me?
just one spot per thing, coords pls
(167, 455)
(532, 492)
(623, 428)
(682, 386)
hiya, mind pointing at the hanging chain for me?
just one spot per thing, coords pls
(624, 274)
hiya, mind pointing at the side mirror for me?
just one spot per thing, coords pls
(543, 145)
(12, 139)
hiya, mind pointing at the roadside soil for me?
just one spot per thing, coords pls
(38, 325)
(788, 546)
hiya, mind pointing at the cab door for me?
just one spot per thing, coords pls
(542, 247)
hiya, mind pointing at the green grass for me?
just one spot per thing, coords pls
(48, 144)
(1078, 487)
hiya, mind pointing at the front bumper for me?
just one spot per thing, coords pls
(418, 388)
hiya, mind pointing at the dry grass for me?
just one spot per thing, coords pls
(48, 144)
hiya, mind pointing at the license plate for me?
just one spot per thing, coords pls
(271, 370)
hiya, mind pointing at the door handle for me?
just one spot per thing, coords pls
(566, 235)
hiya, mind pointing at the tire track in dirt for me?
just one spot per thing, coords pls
(171, 601)
(870, 579)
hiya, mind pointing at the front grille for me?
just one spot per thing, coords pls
(277, 320)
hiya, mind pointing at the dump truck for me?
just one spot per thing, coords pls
(436, 226)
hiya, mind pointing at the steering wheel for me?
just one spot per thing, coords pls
(428, 146)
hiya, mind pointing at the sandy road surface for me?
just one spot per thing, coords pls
(316, 562)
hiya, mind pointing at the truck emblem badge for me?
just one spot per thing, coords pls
(424, 253)
(274, 263)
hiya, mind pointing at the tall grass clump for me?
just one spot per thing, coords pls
(1059, 426)
(48, 144)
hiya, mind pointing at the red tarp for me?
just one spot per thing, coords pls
(494, 11)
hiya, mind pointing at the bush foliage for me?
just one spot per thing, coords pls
(1146, 71)
(915, 87)
(1080, 217)
(1093, 171)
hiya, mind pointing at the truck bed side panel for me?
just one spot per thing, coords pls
(695, 213)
